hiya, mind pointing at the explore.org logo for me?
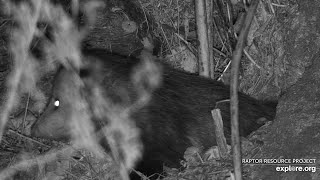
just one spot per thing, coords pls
(285, 165)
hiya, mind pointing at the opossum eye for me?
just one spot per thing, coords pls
(56, 103)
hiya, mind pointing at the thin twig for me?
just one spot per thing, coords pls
(234, 107)
(145, 16)
(251, 59)
(209, 10)
(178, 20)
(271, 7)
(4, 23)
(219, 52)
(190, 47)
(219, 35)
(28, 138)
(164, 35)
(25, 113)
(279, 5)
(225, 69)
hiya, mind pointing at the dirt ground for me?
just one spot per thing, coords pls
(294, 133)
